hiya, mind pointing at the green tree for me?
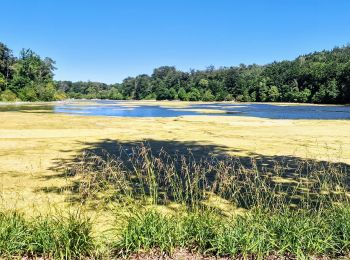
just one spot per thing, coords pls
(28, 93)
(208, 96)
(172, 94)
(182, 94)
(6, 62)
(328, 93)
(115, 94)
(273, 94)
(163, 94)
(3, 82)
(332, 91)
(194, 95)
(46, 92)
(204, 83)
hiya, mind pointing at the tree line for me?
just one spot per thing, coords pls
(319, 77)
(27, 77)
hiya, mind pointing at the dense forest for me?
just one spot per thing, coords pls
(319, 77)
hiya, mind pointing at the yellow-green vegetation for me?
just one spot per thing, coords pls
(147, 177)
(31, 144)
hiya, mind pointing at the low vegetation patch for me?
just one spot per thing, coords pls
(51, 236)
(260, 233)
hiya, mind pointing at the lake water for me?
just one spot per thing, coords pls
(134, 109)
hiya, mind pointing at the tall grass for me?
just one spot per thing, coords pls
(184, 179)
(51, 237)
(295, 208)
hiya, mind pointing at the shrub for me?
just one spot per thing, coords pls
(28, 93)
(8, 96)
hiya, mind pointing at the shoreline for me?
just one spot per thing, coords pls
(166, 102)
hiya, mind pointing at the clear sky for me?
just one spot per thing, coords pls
(108, 40)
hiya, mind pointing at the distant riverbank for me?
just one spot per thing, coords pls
(130, 108)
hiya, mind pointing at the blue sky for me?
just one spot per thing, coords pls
(108, 40)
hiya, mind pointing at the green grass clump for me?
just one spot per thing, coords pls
(298, 233)
(148, 231)
(54, 237)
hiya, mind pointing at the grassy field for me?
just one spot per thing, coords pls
(36, 149)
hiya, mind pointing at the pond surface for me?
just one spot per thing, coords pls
(135, 109)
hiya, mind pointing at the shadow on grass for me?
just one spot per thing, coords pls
(109, 148)
(241, 179)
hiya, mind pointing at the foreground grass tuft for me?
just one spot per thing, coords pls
(54, 237)
(260, 233)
